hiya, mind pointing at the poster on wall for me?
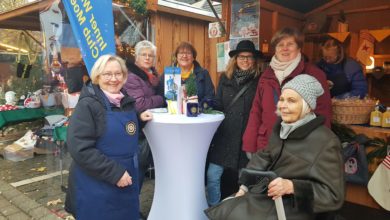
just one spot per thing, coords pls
(222, 55)
(245, 19)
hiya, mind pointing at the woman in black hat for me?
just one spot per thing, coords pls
(235, 92)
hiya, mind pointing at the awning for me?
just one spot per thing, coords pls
(25, 17)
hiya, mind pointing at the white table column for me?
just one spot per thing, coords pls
(179, 146)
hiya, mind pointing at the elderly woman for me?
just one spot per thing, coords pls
(305, 155)
(286, 64)
(103, 142)
(141, 84)
(345, 76)
(185, 55)
(235, 93)
(143, 79)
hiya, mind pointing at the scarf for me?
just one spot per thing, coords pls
(152, 78)
(243, 76)
(284, 69)
(114, 98)
(286, 129)
(185, 75)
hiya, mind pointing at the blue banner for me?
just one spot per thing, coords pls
(93, 27)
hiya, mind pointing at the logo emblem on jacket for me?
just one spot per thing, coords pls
(131, 128)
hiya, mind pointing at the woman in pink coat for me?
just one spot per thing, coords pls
(287, 63)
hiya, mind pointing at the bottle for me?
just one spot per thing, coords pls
(376, 117)
(386, 118)
(264, 46)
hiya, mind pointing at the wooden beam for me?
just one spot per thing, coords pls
(362, 10)
(281, 10)
(152, 5)
(33, 7)
(323, 7)
(33, 26)
(176, 11)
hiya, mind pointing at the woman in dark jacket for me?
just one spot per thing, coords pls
(242, 73)
(345, 76)
(185, 55)
(103, 142)
(286, 64)
(305, 155)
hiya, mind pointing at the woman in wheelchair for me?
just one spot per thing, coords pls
(304, 154)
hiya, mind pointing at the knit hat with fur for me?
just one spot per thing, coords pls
(307, 87)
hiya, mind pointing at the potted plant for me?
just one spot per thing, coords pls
(190, 98)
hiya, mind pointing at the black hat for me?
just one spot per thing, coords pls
(245, 46)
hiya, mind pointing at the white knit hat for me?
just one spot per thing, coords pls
(307, 87)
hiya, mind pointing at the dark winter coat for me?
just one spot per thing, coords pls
(262, 116)
(352, 71)
(226, 146)
(139, 87)
(204, 85)
(311, 159)
(86, 125)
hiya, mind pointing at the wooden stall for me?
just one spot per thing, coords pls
(174, 25)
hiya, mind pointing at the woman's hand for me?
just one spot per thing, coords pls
(125, 180)
(240, 193)
(279, 187)
(146, 116)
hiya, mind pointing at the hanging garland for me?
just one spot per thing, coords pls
(139, 6)
(346, 134)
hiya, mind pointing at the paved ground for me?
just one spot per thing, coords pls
(31, 189)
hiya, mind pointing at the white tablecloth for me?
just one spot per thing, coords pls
(179, 146)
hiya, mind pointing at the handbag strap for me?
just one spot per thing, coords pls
(237, 96)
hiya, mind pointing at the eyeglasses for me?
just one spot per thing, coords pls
(188, 53)
(241, 57)
(108, 76)
(146, 55)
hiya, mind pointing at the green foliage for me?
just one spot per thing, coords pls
(139, 6)
(346, 134)
(191, 85)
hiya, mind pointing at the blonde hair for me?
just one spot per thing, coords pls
(101, 63)
(232, 65)
(332, 44)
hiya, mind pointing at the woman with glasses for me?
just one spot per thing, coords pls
(239, 80)
(103, 142)
(345, 75)
(185, 55)
(141, 84)
(286, 64)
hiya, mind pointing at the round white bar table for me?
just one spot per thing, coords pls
(179, 146)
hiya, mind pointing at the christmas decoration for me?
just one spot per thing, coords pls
(366, 48)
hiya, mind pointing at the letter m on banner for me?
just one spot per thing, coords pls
(93, 26)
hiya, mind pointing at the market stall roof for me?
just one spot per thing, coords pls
(25, 17)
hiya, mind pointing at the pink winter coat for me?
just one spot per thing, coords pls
(263, 117)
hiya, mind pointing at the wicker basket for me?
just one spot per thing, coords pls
(352, 111)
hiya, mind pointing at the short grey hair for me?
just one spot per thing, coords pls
(145, 44)
(101, 63)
